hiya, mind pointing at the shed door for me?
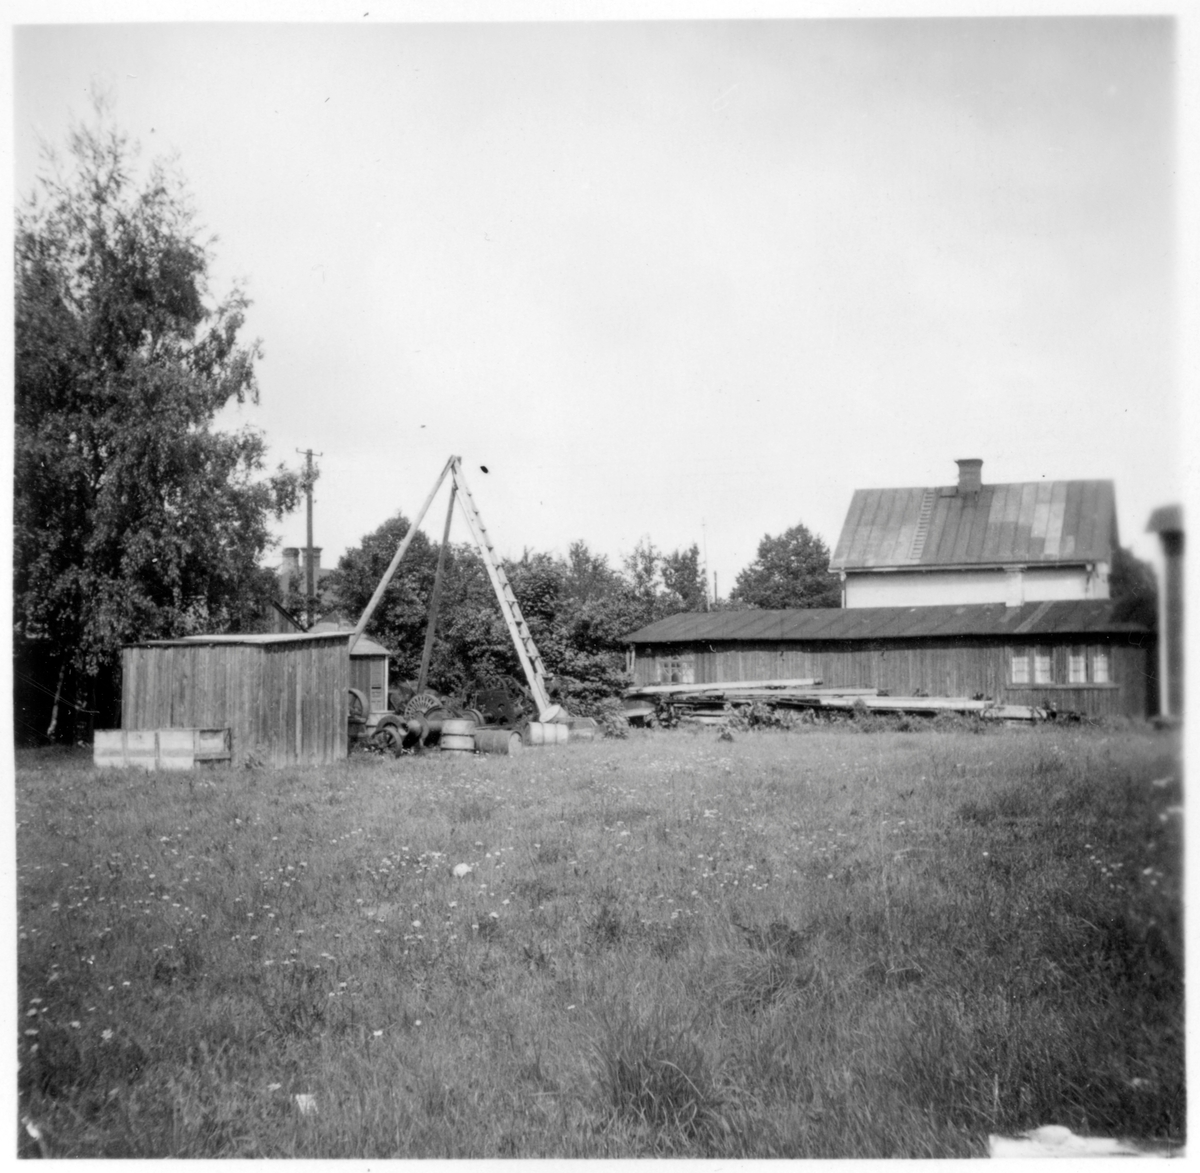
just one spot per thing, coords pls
(378, 685)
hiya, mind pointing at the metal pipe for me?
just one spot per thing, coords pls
(391, 570)
(435, 601)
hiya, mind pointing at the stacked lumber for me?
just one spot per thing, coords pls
(708, 702)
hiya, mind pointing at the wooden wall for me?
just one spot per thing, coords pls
(907, 667)
(285, 702)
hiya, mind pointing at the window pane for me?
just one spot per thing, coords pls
(1100, 665)
(1077, 666)
(1041, 667)
(676, 669)
(1020, 666)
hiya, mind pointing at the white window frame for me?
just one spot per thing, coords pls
(1077, 665)
(1019, 666)
(1043, 665)
(1101, 666)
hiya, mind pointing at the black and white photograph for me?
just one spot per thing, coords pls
(599, 581)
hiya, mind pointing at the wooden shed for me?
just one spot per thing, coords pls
(285, 697)
(1067, 656)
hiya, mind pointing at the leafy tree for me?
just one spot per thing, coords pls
(684, 579)
(791, 570)
(1133, 587)
(643, 570)
(133, 517)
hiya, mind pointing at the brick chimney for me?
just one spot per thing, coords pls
(289, 567)
(970, 476)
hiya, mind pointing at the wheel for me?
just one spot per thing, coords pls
(422, 703)
(359, 708)
(388, 735)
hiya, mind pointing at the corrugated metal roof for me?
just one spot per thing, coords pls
(248, 637)
(1033, 522)
(1074, 617)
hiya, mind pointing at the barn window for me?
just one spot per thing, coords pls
(1043, 666)
(1020, 666)
(1100, 666)
(1077, 666)
(679, 669)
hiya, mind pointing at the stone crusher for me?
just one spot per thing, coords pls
(424, 719)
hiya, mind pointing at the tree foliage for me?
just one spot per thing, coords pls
(133, 517)
(790, 570)
(1133, 587)
(578, 610)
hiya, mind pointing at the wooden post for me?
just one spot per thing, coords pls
(435, 601)
(364, 619)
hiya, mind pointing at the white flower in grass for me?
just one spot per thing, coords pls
(461, 870)
(306, 1103)
(377, 1034)
(274, 1087)
(106, 1035)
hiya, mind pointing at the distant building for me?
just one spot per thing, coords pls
(994, 592)
(1031, 542)
(1167, 522)
(1066, 656)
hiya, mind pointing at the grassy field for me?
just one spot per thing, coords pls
(818, 943)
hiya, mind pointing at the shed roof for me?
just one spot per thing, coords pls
(1038, 522)
(366, 646)
(247, 637)
(1069, 617)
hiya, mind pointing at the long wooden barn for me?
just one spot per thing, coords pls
(284, 697)
(1067, 656)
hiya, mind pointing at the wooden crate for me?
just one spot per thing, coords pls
(160, 749)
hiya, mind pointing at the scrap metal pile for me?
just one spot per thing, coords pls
(711, 703)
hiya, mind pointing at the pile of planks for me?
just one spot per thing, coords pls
(707, 702)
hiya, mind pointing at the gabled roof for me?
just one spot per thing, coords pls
(1070, 617)
(1037, 522)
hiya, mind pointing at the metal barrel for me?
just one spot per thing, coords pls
(545, 733)
(505, 741)
(458, 736)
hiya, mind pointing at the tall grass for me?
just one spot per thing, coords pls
(793, 944)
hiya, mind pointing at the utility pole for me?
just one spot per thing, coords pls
(308, 479)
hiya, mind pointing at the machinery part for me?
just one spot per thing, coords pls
(496, 704)
(473, 715)
(389, 734)
(360, 709)
(422, 704)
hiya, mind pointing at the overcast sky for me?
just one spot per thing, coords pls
(691, 280)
